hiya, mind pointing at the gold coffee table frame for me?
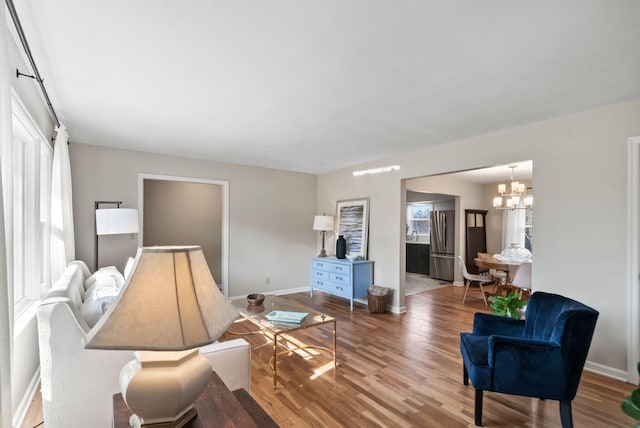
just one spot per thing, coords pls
(274, 329)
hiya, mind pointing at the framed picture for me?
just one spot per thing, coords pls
(353, 223)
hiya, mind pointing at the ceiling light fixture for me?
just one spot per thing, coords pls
(376, 170)
(518, 193)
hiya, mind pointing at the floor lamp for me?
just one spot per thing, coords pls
(112, 221)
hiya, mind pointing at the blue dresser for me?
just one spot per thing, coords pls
(341, 277)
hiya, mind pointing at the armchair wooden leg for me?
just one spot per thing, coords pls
(478, 420)
(566, 416)
(465, 375)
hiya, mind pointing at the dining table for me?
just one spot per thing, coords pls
(491, 262)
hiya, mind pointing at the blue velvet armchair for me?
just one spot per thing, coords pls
(541, 356)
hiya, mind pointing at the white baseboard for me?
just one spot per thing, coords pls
(290, 291)
(606, 371)
(23, 407)
(397, 309)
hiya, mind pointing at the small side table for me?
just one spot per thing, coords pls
(217, 406)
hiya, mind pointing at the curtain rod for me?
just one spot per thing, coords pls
(25, 46)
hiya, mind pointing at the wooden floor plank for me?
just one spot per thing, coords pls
(402, 371)
(406, 371)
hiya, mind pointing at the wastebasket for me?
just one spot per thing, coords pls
(377, 299)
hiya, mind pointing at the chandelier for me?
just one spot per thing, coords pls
(511, 200)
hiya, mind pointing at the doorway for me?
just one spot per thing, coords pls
(473, 189)
(430, 240)
(187, 211)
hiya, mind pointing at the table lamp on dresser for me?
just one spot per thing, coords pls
(168, 308)
(323, 223)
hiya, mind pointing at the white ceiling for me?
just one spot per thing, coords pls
(318, 86)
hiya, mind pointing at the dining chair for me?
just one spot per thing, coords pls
(499, 276)
(469, 278)
(522, 279)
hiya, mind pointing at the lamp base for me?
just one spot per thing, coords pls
(323, 253)
(161, 388)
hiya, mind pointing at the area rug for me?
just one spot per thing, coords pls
(416, 283)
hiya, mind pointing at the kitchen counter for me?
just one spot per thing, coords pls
(417, 257)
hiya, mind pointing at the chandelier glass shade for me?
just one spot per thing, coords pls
(516, 197)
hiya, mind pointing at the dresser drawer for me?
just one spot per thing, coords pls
(340, 279)
(341, 268)
(321, 285)
(321, 265)
(338, 289)
(319, 274)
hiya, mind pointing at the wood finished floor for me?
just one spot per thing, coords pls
(405, 371)
(401, 371)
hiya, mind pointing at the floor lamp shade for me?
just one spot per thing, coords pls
(115, 221)
(169, 303)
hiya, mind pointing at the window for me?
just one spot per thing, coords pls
(419, 221)
(27, 174)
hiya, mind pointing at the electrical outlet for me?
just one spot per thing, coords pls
(268, 281)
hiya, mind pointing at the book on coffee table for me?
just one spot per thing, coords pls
(286, 316)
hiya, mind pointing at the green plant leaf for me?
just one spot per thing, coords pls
(507, 306)
(631, 404)
(631, 408)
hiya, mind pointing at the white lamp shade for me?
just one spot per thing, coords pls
(115, 221)
(169, 302)
(323, 222)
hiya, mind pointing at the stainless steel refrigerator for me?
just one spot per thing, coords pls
(442, 244)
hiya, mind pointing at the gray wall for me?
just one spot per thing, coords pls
(271, 213)
(180, 213)
(580, 242)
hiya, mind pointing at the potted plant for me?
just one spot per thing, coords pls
(508, 306)
(631, 404)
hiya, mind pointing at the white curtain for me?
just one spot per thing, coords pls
(513, 227)
(6, 232)
(62, 238)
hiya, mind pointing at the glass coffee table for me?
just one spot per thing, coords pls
(272, 329)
